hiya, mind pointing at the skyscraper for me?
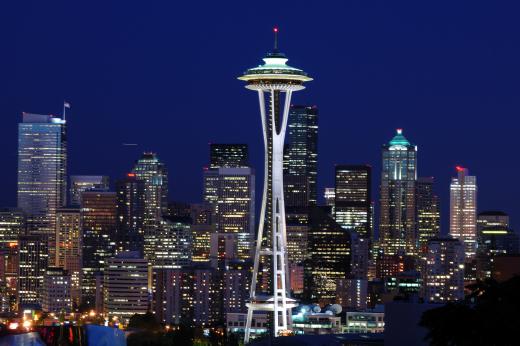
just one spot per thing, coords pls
(42, 173)
(274, 78)
(444, 272)
(69, 243)
(428, 211)
(33, 261)
(301, 157)
(228, 155)
(98, 219)
(154, 174)
(82, 183)
(56, 293)
(329, 256)
(229, 190)
(126, 286)
(463, 211)
(231, 193)
(171, 245)
(12, 225)
(130, 214)
(352, 201)
(397, 226)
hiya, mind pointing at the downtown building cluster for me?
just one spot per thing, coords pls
(78, 243)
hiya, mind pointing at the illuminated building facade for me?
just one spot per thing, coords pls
(397, 226)
(98, 221)
(33, 261)
(228, 155)
(232, 197)
(301, 157)
(329, 195)
(130, 213)
(273, 79)
(82, 183)
(56, 291)
(444, 272)
(125, 286)
(187, 295)
(352, 293)
(154, 174)
(352, 198)
(12, 225)
(42, 173)
(329, 256)
(463, 211)
(428, 211)
(69, 251)
(235, 283)
(171, 247)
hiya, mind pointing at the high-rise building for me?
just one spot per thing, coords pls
(171, 247)
(329, 195)
(463, 211)
(492, 218)
(155, 176)
(301, 157)
(428, 211)
(42, 173)
(185, 295)
(32, 263)
(231, 194)
(69, 244)
(235, 284)
(12, 225)
(228, 155)
(397, 226)
(98, 220)
(56, 291)
(329, 256)
(130, 214)
(352, 198)
(273, 79)
(444, 272)
(126, 286)
(82, 183)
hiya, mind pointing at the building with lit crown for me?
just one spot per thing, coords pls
(463, 211)
(397, 225)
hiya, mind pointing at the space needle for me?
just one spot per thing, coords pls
(270, 281)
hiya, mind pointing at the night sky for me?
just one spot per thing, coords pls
(163, 74)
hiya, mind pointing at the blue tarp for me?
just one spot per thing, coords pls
(104, 336)
(27, 339)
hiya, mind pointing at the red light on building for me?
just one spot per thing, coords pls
(459, 168)
(131, 175)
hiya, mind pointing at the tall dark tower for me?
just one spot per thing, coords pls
(274, 79)
(301, 157)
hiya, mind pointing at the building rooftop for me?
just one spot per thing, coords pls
(399, 139)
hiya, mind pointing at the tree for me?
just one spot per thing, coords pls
(488, 316)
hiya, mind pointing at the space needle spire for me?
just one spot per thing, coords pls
(274, 81)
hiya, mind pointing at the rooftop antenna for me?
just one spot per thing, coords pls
(275, 30)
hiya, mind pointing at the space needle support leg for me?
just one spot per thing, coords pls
(254, 277)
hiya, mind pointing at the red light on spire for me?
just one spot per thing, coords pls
(459, 168)
(275, 29)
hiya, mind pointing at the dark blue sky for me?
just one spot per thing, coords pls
(163, 74)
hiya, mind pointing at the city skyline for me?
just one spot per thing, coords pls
(375, 195)
(380, 78)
